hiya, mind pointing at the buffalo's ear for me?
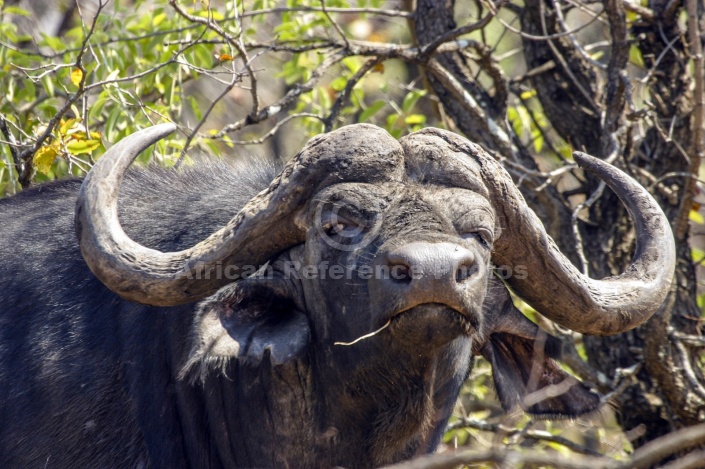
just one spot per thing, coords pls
(247, 320)
(523, 371)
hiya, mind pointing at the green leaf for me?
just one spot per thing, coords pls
(53, 42)
(410, 100)
(372, 110)
(635, 56)
(157, 19)
(110, 129)
(537, 135)
(195, 108)
(48, 85)
(16, 11)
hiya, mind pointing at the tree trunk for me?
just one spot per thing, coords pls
(592, 110)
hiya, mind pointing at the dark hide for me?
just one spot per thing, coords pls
(249, 377)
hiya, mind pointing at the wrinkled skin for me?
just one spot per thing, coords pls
(388, 397)
(278, 369)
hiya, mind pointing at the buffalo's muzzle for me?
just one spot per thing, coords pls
(424, 272)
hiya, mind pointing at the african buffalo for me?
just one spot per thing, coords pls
(331, 322)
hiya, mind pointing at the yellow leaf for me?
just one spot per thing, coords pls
(77, 147)
(66, 125)
(81, 135)
(76, 76)
(44, 157)
(696, 217)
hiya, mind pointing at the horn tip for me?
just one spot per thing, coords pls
(583, 159)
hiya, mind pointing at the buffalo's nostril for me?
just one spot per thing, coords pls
(399, 270)
(465, 269)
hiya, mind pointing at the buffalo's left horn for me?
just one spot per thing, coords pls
(541, 274)
(562, 293)
(265, 226)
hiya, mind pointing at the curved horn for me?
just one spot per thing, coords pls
(552, 284)
(265, 226)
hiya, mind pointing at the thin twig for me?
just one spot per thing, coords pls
(366, 336)
(344, 95)
(333, 22)
(576, 44)
(537, 435)
(548, 37)
(276, 128)
(274, 109)
(235, 42)
(561, 60)
(344, 11)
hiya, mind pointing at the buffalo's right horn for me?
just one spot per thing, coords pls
(265, 226)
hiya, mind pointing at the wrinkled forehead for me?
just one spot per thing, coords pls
(367, 154)
(437, 157)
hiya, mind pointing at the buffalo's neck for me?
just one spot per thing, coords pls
(312, 413)
(262, 416)
(378, 413)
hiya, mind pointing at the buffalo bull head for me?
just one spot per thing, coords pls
(433, 212)
(365, 155)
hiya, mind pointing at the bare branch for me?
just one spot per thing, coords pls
(617, 82)
(698, 119)
(234, 42)
(491, 128)
(428, 49)
(345, 11)
(536, 435)
(296, 91)
(276, 128)
(667, 445)
(504, 458)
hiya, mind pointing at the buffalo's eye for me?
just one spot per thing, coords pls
(340, 225)
(346, 225)
(484, 237)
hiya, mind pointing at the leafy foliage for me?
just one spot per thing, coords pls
(136, 65)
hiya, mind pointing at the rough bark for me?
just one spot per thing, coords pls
(592, 110)
(433, 19)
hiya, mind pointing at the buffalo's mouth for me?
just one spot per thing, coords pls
(432, 322)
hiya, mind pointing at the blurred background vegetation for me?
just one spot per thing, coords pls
(531, 81)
